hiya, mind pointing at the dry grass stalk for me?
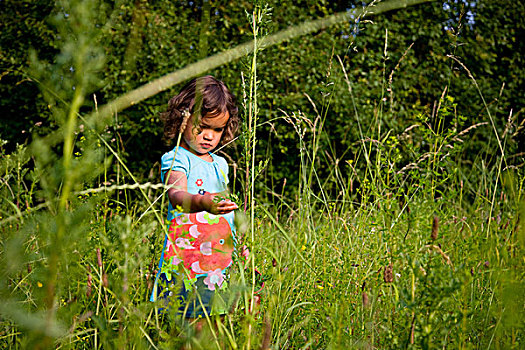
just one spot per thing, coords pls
(415, 164)
(78, 320)
(438, 249)
(457, 137)
(441, 100)
(479, 90)
(397, 66)
(404, 135)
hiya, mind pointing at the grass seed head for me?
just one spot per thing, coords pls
(388, 275)
(366, 301)
(186, 116)
(89, 282)
(435, 227)
(267, 334)
(99, 258)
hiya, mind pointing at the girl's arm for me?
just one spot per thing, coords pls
(191, 203)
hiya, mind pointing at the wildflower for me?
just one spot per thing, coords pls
(39, 284)
(303, 247)
(246, 252)
(320, 287)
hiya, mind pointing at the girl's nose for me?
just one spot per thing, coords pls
(207, 134)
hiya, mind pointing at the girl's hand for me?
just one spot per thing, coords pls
(192, 203)
(222, 207)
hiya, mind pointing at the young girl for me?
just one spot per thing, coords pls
(198, 248)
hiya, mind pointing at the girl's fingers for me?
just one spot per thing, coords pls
(224, 208)
(227, 204)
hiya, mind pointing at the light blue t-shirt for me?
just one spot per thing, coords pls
(202, 176)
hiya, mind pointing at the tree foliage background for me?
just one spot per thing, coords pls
(142, 40)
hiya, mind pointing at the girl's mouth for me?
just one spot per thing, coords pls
(205, 145)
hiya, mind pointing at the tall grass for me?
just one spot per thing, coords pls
(384, 250)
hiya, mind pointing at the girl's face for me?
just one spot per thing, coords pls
(204, 137)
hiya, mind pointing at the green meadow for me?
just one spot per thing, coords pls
(378, 170)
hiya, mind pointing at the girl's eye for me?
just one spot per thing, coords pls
(221, 241)
(219, 129)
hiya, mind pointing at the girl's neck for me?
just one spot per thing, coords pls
(204, 156)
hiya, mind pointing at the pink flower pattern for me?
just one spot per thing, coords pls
(203, 244)
(214, 278)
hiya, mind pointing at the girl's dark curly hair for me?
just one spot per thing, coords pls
(203, 96)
